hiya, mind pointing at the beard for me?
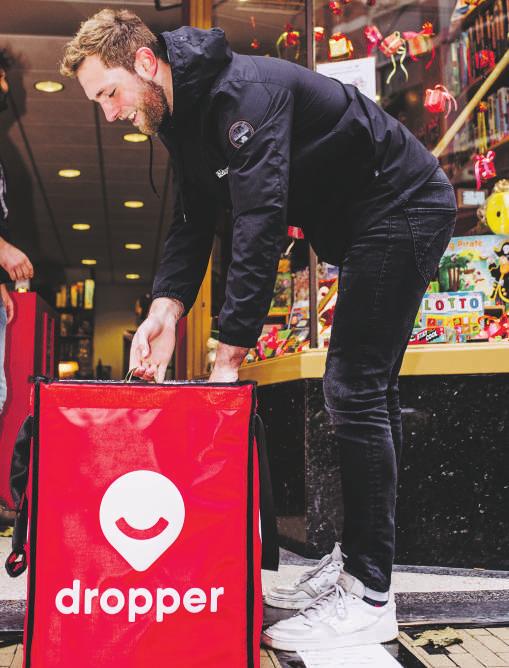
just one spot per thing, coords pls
(3, 101)
(153, 107)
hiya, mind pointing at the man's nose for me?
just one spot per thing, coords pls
(111, 112)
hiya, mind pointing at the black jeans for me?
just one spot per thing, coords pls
(384, 276)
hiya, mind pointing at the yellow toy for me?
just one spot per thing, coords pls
(497, 208)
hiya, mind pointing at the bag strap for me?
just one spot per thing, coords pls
(16, 563)
(270, 538)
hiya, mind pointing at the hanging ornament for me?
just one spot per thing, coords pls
(255, 42)
(374, 37)
(482, 132)
(485, 59)
(336, 8)
(484, 166)
(371, 3)
(289, 39)
(319, 33)
(421, 42)
(439, 99)
(392, 46)
(340, 46)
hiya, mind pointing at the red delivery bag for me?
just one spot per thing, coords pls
(144, 528)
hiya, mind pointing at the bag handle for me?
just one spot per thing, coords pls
(270, 537)
(16, 563)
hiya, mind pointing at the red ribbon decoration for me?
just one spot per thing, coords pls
(439, 99)
(484, 167)
(319, 33)
(374, 37)
(295, 232)
(336, 8)
(485, 59)
(416, 40)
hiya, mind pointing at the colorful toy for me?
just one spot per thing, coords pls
(456, 312)
(497, 212)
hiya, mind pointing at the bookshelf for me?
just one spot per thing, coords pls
(474, 74)
(75, 305)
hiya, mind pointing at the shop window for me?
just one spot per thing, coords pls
(428, 64)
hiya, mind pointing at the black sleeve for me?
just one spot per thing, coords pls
(255, 124)
(186, 250)
(4, 228)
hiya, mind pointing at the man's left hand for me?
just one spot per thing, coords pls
(228, 361)
(7, 302)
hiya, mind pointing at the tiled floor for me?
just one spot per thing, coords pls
(479, 648)
(268, 660)
(11, 656)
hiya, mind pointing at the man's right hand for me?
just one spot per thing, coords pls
(15, 262)
(154, 342)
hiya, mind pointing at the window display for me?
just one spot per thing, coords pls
(438, 66)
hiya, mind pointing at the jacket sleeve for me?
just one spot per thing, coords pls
(4, 228)
(186, 250)
(255, 125)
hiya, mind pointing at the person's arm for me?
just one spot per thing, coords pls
(255, 130)
(7, 302)
(181, 270)
(14, 264)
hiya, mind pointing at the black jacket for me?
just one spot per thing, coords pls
(4, 230)
(279, 145)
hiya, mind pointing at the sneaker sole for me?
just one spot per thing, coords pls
(376, 634)
(285, 604)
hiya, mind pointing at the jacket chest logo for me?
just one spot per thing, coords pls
(240, 132)
(222, 172)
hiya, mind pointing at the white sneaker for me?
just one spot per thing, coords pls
(310, 585)
(338, 618)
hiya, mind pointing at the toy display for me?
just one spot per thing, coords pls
(458, 314)
(479, 264)
(282, 299)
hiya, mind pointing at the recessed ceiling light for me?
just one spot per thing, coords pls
(132, 246)
(89, 261)
(49, 86)
(69, 173)
(135, 137)
(134, 204)
(132, 277)
(81, 226)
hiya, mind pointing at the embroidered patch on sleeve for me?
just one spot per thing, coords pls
(240, 132)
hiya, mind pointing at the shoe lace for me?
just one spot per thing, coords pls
(324, 566)
(333, 601)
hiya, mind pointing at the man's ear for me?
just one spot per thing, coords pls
(145, 63)
(4, 84)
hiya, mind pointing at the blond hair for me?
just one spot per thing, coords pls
(114, 36)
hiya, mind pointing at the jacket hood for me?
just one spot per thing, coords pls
(196, 57)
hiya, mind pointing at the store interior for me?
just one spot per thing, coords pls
(95, 233)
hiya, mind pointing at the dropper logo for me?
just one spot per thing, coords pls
(142, 514)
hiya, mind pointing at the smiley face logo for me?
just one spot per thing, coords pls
(142, 514)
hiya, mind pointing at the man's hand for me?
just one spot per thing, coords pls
(7, 302)
(15, 262)
(228, 361)
(154, 342)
